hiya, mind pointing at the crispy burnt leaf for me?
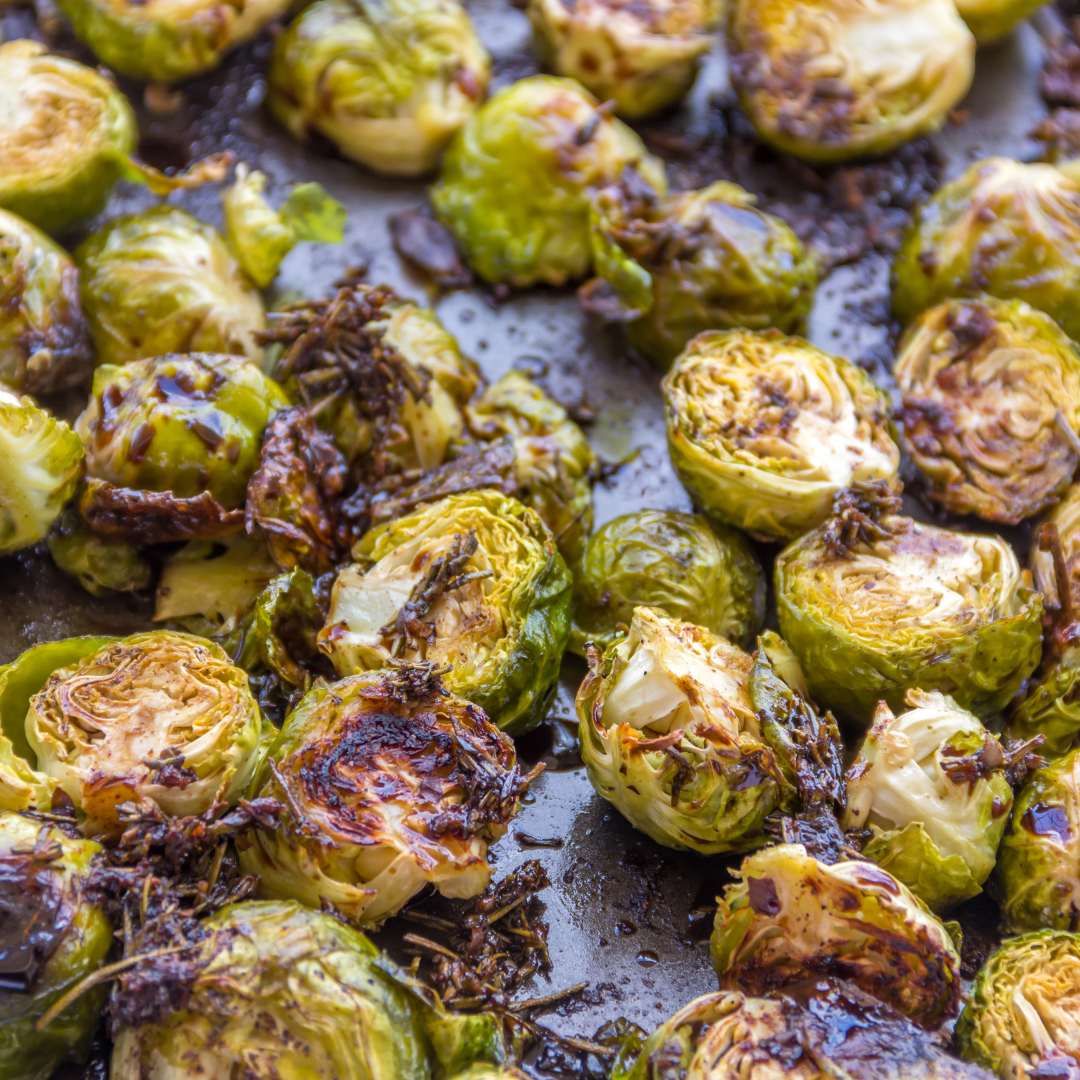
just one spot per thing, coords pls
(859, 514)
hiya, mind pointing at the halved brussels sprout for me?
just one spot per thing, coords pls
(554, 466)
(519, 180)
(670, 735)
(989, 20)
(391, 784)
(1023, 1019)
(908, 606)
(829, 80)
(160, 282)
(388, 83)
(474, 582)
(66, 136)
(53, 937)
(1002, 228)
(1038, 878)
(677, 563)
(185, 424)
(283, 991)
(928, 785)
(41, 460)
(991, 407)
(789, 916)
(765, 430)
(161, 40)
(44, 341)
(100, 565)
(160, 716)
(641, 56)
(713, 262)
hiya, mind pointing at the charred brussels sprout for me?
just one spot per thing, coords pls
(53, 937)
(713, 262)
(389, 83)
(181, 424)
(990, 408)
(1003, 228)
(390, 784)
(677, 563)
(160, 40)
(44, 341)
(1038, 879)
(278, 990)
(989, 20)
(474, 582)
(929, 786)
(835, 79)
(641, 56)
(670, 736)
(41, 460)
(519, 180)
(764, 430)
(790, 915)
(905, 605)
(161, 282)
(1023, 1018)
(160, 716)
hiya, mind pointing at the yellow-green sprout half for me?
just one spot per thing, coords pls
(388, 82)
(929, 787)
(1002, 228)
(1023, 1019)
(642, 56)
(911, 606)
(162, 281)
(44, 340)
(519, 180)
(829, 80)
(390, 784)
(160, 716)
(989, 20)
(54, 936)
(765, 430)
(473, 582)
(41, 460)
(990, 407)
(164, 40)
(66, 136)
(670, 736)
(790, 916)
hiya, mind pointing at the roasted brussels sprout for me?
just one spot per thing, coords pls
(835, 79)
(989, 20)
(261, 236)
(1004, 229)
(554, 466)
(390, 784)
(641, 56)
(41, 460)
(1038, 878)
(54, 936)
(1050, 706)
(44, 341)
(188, 425)
(928, 785)
(161, 716)
(670, 735)
(790, 915)
(990, 408)
(907, 606)
(1021, 1020)
(764, 430)
(388, 83)
(279, 990)
(519, 180)
(100, 565)
(161, 282)
(677, 563)
(703, 260)
(160, 41)
(474, 582)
